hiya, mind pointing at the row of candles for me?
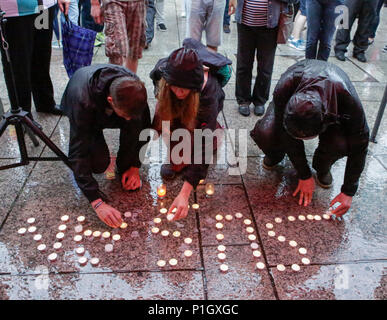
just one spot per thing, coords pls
(209, 188)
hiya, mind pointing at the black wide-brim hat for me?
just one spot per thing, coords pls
(184, 69)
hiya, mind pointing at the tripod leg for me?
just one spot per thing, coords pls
(31, 135)
(22, 143)
(3, 126)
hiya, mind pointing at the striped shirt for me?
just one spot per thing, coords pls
(16, 8)
(254, 13)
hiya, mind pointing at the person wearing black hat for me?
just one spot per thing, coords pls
(313, 99)
(189, 97)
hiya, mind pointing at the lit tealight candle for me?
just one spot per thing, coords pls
(302, 251)
(223, 267)
(301, 217)
(281, 267)
(22, 231)
(82, 261)
(37, 237)
(221, 248)
(195, 206)
(157, 220)
(127, 214)
(252, 237)
(254, 246)
(80, 250)
(296, 267)
(60, 235)
(326, 216)
(78, 228)
(165, 233)
(42, 247)
(219, 237)
(278, 220)
(310, 217)
(106, 235)
(161, 263)
(256, 253)
(291, 218)
(305, 261)
(293, 243)
(219, 226)
(229, 217)
(78, 238)
(187, 240)
(87, 233)
(221, 256)
(247, 222)
(163, 210)
(249, 230)
(62, 227)
(201, 181)
(176, 234)
(81, 219)
(57, 245)
(281, 238)
(52, 257)
(210, 189)
(65, 218)
(96, 234)
(317, 217)
(260, 265)
(170, 216)
(173, 262)
(239, 215)
(269, 225)
(161, 190)
(109, 247)
(188, 253)
(218, 217)
(155, 230)
(123, 225)
(30, 220)
(174, 210)
(32, 229)
(116, 237)
(271, 233)
(94, 261)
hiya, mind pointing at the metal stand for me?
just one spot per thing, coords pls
(21, 120)
(379, 117)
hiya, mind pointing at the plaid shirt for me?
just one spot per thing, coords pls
(16, 8)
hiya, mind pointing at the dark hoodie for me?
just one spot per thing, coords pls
(85, 103)
(341, 105)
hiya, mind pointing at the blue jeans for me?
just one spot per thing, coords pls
(226, 17)
(321, 18)
(73, 16)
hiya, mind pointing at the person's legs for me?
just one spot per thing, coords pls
(55, 23)
(299, 24)
(160, 13)
(343, 34)
(196, 16)
(245, 63)
(73, 12)
(226, 17)
(150, 21)
(266, 41)
(99, 154)
(214, 24)
(313, 15)
(41, 84)
(376, 21)
(87, 20)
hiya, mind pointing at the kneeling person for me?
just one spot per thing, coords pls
(99, 97)
(312, 99)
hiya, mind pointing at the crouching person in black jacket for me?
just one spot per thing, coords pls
(99, 97)
(312, 99)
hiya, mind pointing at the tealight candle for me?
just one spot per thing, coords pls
(302, 251)
(109, 247)
(305, 261)
(170, 216)
(310, 217)
(174, 210)
(210, 189)
(155, 230)
(187, 240)
(229, 217)
(281, 238)
(165, 233)
(22, 231)
(326, 216)
(239, 215)
(52, 257)
(157, 220)
(96, 234)
(223, 267)
(123, 225)
(176, 234)
(296, 267)
(81, 219)
(42, 247)
(219, 226)
(291, 218)
(65, 218)
(127, 214)
(161, 263)
(247, 222)
(256, 253)
(163, 210)
(221, 256)
(269, 225)
(301, 217)
(188, 253)
(32, 229)
(106, 235)
(80, 250)
(221, 248)
(173, 262)
(317, 217)
(30, 220)
(37, 237)
(219, 237)
(116, 237)
(218, 217)
(62, 227)
(293, 243)
(249, 230)
(281, 267)
(254, 246)
(271, 233)
(195, 206)
(252, 237)
(82, 261)
(161, 190)
(278, 220)
(60, 235)
(57, 245)
(78, 228)
(94, 261)
(201, 181)
(78, 238)
(260, 265)
(87, 233)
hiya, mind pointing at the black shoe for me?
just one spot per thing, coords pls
(226, 28)
(244, 109)
(340, 55)
(162, 27)
(167, 172)
(268, 164)
(147, 45)
(259, 110)
(324, 180)
(56, 110)
(360, 56)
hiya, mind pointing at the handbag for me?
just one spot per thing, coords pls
(78, 46)
(285, 24)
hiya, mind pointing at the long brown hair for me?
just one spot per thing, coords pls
(171, 108)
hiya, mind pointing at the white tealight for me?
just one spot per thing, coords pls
(116, 237)
(293, 243)
(223, 267)
(165, 233)
(260, 265)
(254, 246)
(219, 217)
(82, 261)
(22, 231)
(65, 218)
(176, 234)
(302, 251)
(52, 257)
(305, 261)
(123, 225)
(57, 245)
(163, 210)
(291, 218)
(78, 228)
(278, 220)
(32, 229)
(317, 217)
(326, 216)
(188, 253)
(252, 237)
(174, 210)
(173, 262)
(127, 214)
(271, 233)
(187, 240)
(296, 267)
(239, 215)
(281, 238)
(30, 220)
(42, 247)
(247, 222)
(106, 235)
(62, 227)
(269, 225)
(81, 219)
(249, 230)
(310, 217)
(94, 261)
(170, 216)
(87, 233)
(96, 234)
(109, 247)
(60, 235)
(256, 253)
(80, 250)
(219, 226)
(228, 217)
(301, 217)
(78, 238)
(221, 248)
(161, 263)
(37, 237)
(157, 220)
(221, 256)
(195, 206)
(281, 267)
(155, 230)
(219, 237)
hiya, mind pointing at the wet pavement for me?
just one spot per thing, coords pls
(298, 258)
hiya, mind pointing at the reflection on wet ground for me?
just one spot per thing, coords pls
(274, 250)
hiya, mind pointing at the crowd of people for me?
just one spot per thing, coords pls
(189, 86)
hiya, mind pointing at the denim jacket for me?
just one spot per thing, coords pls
(273, 14)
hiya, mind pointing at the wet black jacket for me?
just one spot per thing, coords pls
(85, 103)
(342, 106)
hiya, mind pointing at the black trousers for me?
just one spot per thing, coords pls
(365, 10)
(30, 52)
(273, 140)
(262, 43)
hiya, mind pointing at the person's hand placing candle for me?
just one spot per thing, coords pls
(181, 202)
(131, 179)
(345, 204)
(107, 214)
(306, 189)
